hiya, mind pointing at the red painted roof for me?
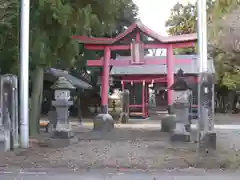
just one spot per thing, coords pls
(144, 29)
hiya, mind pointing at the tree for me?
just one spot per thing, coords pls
(228, 26)
(9, 36)
(222, 33)
(224, 36)
(182, 21)
(53, 22)
(52, 25)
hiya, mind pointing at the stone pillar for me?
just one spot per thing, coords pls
(170, 77)
(9, 132)
(207, 135)
(124, 116)
(105, 80)
(5, 129)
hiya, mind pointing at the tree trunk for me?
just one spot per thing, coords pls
(36, 100)
(79, 110)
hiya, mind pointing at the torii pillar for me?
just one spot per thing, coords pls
(105, 80)
(170, 77)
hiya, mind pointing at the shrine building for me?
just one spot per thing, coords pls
(139, 71)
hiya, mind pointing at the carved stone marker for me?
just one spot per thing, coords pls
(9, 121)
(207, 134)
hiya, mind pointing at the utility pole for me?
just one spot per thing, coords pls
(24, 74)
(206, 133)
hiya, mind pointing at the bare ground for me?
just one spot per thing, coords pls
(142, 148)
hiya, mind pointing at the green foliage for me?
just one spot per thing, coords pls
(52, 25)
(222, 20)
(9, 36)
(183, 20)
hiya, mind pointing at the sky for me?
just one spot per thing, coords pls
(154, 13)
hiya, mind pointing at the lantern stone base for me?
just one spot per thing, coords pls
(180, 137)
(63, 131)
(208, 141)
(180, 134)
(57, 142)
(103, 122)
(63, 134)
(168, 123)
(104, 109)
(170, 109)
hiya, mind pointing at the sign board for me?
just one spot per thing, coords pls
(137, 53)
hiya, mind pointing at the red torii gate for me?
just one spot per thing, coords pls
(137, 51)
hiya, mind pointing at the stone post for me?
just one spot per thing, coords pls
(9, 137)
(207, 135)
(62, 89)
(124, 115)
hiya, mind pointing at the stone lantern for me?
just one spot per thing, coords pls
(182, 108)
(62, 89)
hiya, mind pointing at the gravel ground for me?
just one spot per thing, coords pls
(140, 148)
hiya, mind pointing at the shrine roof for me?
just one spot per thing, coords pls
(137, 25)
(53, 74)
(161, 69)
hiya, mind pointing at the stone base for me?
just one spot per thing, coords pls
(57, 142)
(124, 118)
(2, 146)
(5, 141)
(103, 122)
(170, 109)
(63, 134)
(180, 137)
(168, 123)
(209, 141)
(188, 128)
(104, 109)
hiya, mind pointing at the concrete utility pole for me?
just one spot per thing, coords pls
(202, 35)
(206, 134)
(24, 74)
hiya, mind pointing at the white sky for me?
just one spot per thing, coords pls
(154, 13)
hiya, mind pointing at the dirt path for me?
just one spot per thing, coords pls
(144, 147)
